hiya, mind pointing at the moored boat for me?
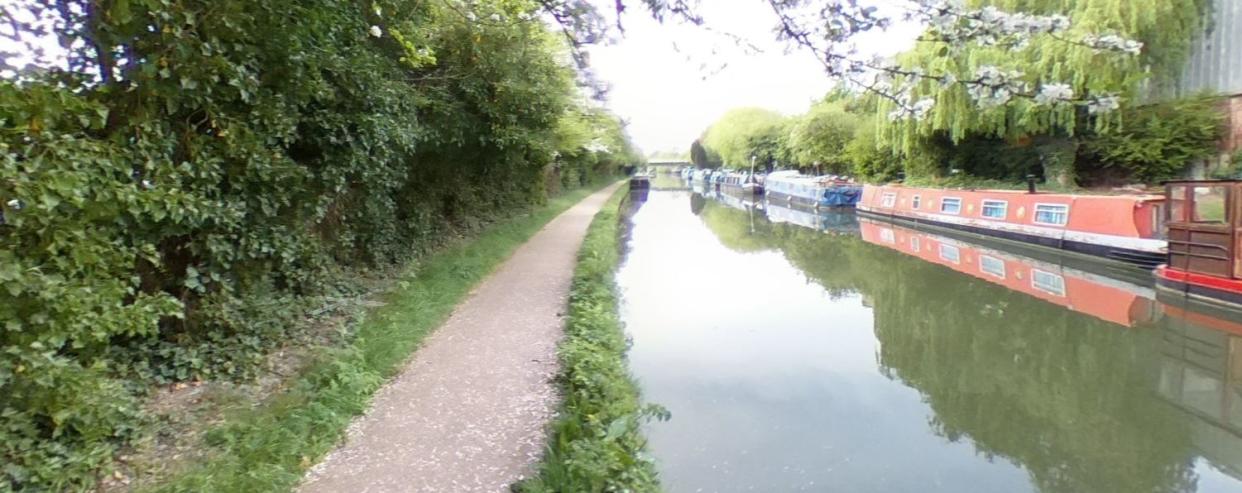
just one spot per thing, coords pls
(1122, 228)
(741, 180)
(640, 181)
(1203, 223)
(815, 191)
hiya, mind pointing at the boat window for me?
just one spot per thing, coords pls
(887, 236)
(1048, 282)
(951, 205)
(1053, 214)
(890, 198)
(1177, 203)
(1209, 204)
(1157, 221)
(995, 209)
(992, 265)
(915, 201)
(915, 244)
(950, 253)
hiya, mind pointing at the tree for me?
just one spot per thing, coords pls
(1039, 86)
(819, 137)
(700, 156)
(745, 132)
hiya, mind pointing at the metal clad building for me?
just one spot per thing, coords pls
(1215, 62)
(1215, 65)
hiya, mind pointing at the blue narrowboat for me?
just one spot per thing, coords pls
(815, 191)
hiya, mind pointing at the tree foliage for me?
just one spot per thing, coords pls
(745, 132)
(1060, 65)
(820, 136)
(175, 197)
(869, 157)
(1159, 140)
(1164, 27)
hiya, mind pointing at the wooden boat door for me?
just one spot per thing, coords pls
(1202, 227)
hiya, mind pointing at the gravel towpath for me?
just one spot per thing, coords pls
(468, 413)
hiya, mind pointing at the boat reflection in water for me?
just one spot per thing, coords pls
(828, 220)
(1112, 300)
(1201, 374)
(836, 221)
(1200, 347)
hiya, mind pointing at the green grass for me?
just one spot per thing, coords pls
(270, 447)
(596, 442)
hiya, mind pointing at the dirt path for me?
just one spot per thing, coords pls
(468, 412)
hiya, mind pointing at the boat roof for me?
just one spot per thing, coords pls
(1214, 180)
(1137, 196)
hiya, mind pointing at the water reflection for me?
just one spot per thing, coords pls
(793, 359)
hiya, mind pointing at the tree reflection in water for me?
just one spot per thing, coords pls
(1074, 399)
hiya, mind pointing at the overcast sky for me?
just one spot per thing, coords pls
(668, 83)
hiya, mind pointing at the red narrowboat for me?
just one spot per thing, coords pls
(1122, 228)
(1204, 219)
(1105, 298)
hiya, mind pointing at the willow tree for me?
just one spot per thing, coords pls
(1107, 53)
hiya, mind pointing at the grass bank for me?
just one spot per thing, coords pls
(268, 448)
(596, 443)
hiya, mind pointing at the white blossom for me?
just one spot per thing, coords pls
(1103, 104)
(922, 107)
(147, 184)
(1054, 93)
(471, 17)
(1112, 42)
(988, 26)
(915, 111)
(495, 17)
(994, 87)
(376, 32)
(14, 204)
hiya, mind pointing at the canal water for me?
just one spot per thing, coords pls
(802, 351)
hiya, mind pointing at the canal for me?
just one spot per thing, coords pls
(801, 351)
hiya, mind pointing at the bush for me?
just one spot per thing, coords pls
(1158, 141)
(871, 160)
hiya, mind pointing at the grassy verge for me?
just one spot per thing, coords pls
(269, 448)
(596, 443)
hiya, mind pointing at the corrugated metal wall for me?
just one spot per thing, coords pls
(1215, 62)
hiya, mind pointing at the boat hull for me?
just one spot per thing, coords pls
(809, 202)
(1128, 256)
(1210, 290)
(791, 199)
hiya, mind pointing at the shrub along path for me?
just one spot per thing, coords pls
(470, 410)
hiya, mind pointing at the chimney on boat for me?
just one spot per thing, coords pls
(1030, 183)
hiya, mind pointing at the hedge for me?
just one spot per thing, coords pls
(197, 172)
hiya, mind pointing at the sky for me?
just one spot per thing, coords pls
(667, 82)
